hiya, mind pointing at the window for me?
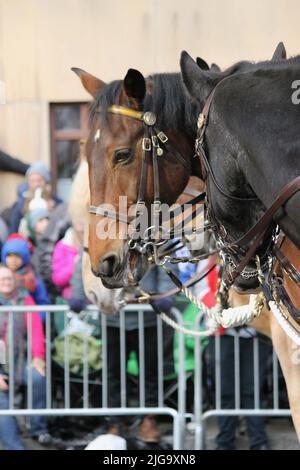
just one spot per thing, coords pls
(69, 125)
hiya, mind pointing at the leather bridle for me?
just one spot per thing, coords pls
(246, 247)
(154, 144)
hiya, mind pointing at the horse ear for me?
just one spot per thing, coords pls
(279, 53)
(92, 84)
(198, 82)
(134, 85)
(215, 68)
(202, 64)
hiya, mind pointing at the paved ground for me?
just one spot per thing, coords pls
(280, 431)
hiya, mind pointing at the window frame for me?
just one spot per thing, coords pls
(57, 135)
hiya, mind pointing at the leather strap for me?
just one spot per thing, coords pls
(287, 266)
(256, 233)
(285, 194)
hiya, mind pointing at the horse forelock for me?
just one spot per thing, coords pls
(166, 97)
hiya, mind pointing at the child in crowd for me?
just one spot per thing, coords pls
(65, 258)
(16, 256)
(38, 220)
(37, 177)
(15, 328)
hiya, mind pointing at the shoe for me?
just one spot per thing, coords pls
(260, 447)
(45, 439)
(149, 430)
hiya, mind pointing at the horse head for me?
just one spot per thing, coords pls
(234, 207)
(115, 151)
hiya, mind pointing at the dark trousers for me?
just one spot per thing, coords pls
(9, 432)
(114, 369)
(228, 424)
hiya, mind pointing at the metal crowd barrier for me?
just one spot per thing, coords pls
(178, 414)
(201, 416)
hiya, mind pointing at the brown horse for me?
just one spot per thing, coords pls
(287, 351)
(114, 153)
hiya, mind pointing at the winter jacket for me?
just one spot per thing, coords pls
(17, 209)
(78, 300)
(63, 265)
(26, 279)
(38, 337)
(3, 232)
(43, 253)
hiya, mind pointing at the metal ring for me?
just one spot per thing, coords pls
(131, 244)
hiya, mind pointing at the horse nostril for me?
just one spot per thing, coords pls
(108, 265)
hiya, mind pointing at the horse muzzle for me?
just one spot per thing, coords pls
(115, 272)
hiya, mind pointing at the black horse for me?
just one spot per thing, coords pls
(252, 145)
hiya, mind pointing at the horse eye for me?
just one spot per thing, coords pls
(122, 156)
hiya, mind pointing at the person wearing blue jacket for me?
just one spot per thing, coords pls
(16, 256)
(37, 176)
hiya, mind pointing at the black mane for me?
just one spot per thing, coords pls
(170, 102)
(247, 66)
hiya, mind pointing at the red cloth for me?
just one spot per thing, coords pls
(208, 289)
(17, 236)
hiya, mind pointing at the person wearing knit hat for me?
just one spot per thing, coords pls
(38, 220)
(16, 256)
(38, 175)
(38, 180)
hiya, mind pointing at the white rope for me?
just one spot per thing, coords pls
(237, 316)
(182, 329)
(228, 318)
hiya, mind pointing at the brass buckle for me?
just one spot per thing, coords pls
(140, 207)
(157, 206)
(146, 144)
(162, 137)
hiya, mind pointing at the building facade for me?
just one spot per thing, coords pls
(45, 113)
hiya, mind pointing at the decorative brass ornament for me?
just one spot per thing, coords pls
(149, 118)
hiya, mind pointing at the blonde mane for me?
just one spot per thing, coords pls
(80, 193)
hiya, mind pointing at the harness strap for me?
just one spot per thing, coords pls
(285, 194)
(199, 146)
(287, 266)
(257, 231)
(155, 168)
(111, 214)
(144, 170)
(176, 290)
(285, 299)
